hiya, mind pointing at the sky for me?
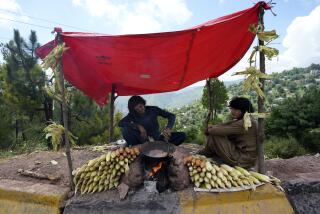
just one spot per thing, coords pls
(297, 22)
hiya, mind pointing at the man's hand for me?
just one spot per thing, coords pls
(209, 129)
(166, 134)
(143, 132)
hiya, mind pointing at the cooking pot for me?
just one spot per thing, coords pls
(157, 149)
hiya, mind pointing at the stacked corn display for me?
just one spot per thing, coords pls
(208, 175)
(104, 172)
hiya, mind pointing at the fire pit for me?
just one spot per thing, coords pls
(156, 157)
(159, 166)
(156, 170)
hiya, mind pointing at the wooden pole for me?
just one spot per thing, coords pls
(65, 117)
(261, 108)
(209, 89)
(111, 112)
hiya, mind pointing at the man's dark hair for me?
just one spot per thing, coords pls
(134, 101)
(241, 103)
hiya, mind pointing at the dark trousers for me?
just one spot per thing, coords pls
(133, 137)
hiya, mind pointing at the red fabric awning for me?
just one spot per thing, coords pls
(157, 62)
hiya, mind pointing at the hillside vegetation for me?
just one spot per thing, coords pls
(292, 99)
(289, 83)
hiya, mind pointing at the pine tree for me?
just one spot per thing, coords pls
(23, 82)
(218, 99)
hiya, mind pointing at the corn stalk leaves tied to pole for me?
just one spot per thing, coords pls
(55, 132)
(58, 93)
(255, 78)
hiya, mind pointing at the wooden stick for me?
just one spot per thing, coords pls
(111, 112)
(65, 117)
(261, 108)
(32, 174)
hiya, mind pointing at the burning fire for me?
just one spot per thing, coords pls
(155, 169)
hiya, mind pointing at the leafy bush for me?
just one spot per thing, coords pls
(283, 148)
(311, 140)
(6, 134)
(20, 146)
(193, 135)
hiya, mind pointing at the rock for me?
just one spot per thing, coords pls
(304, 196)
(53, 162)
(177, 171)
(123, 190)
(135, 175)
(140, 201)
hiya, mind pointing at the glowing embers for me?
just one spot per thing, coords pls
(156, 169)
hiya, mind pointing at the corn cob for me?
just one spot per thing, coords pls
(206, 174)
(104, 172)
(260, 177)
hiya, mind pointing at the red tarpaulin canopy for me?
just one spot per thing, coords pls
(157, 62)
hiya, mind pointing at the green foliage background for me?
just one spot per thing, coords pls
(26, 109)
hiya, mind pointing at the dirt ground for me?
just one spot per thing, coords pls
(41, 162)
(306, 167)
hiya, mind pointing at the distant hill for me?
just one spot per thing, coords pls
(169, 100)
(288, 83)
(165, 100)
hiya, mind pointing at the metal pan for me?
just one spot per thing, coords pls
(157, 149)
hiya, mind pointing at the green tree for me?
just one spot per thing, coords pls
(218, 99)
(6, 122)
(90, 122)
(297, 117)
(190, 119)
(22, 86)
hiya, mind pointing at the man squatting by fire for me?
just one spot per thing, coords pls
(141, 124)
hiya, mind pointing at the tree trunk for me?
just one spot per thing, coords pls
(17, 129)
(48, 108)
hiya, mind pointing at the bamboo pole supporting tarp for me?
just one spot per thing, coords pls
(111, 112)
(261, 107)
(209, 116)
(65, 117)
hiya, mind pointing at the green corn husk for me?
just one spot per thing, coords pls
(101, 187)
(206, 180)
(208, 186)
(209, 175)
(234, 183)
(213, 184)
(209, 166)
(202, 174)
(226, 167)
(242, 170)
(228, 184)
(260, 177)
(197, 184)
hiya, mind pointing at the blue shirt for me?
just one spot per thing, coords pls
(148, 120)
